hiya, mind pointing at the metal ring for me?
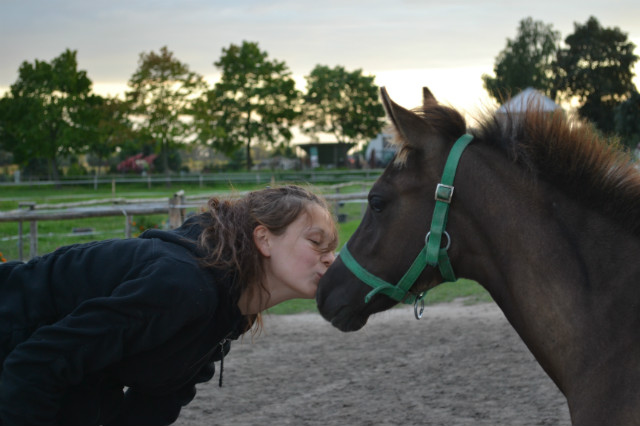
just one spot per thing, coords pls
(417, 313)
(445, 233)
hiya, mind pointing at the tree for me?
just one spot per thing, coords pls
(342, 103)
(112, 129)
(527, 61)
(162, 91)
(596, 67)
(255, 100)
(217, 126)
(627, 121)
(40, 117)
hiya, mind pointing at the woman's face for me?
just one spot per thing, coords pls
(296, 260)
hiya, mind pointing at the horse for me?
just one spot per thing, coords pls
(532, 205)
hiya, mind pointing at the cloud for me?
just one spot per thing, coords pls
(373, 35)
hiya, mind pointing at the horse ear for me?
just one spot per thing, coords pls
(408, 124)
(427, 97)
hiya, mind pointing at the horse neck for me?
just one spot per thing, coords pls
(565, 277)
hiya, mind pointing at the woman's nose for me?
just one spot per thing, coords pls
(328, 258)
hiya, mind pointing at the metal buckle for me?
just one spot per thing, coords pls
(444, 193)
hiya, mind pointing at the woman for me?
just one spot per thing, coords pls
(151, 314)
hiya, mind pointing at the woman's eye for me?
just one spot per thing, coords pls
(376, 203)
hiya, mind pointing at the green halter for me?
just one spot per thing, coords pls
(432, 253)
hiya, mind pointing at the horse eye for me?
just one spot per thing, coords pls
(376, 203)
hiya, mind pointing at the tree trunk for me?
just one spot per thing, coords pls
(249, 161)
(248, 133)
(165, 161)
(52, 165)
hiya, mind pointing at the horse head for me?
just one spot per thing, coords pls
(396, 222)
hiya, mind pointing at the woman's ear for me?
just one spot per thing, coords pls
(261, 240)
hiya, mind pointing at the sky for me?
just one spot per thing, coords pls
(446, 45)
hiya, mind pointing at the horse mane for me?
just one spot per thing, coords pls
(569, 154)
(564, 151)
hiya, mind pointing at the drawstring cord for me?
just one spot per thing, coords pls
(221, 362)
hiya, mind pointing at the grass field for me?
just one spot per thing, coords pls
(53, 234)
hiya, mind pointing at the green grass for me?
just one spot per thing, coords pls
(10, 196)
(345, 230)
(294, 306)
(471, 291)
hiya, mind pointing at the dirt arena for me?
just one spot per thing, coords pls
(459, 365)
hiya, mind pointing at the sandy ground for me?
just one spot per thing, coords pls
(459, 365)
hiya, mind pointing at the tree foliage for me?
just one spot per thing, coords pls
(216, 126)
(162, 91)
(342, 103)
(596, 67)
(44, 114)
(255, 100)
(526, 61)
(112, 128)
(627, 121)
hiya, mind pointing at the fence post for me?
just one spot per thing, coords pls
(33, 239)
(176, 210)
(127, 224)
(363, 206)
(336, 206)
(33, 233)
(20, 243)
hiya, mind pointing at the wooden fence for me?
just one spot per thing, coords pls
(201, 179)
(176, 207)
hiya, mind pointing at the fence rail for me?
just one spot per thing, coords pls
(176, 207)
(256, 177)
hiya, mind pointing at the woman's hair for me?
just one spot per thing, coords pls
(228, 241)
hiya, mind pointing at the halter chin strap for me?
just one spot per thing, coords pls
(432, 253)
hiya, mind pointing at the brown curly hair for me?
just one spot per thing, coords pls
(227, 239)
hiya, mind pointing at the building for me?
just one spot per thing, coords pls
(326, 154)
(380, 151)
(528, 98)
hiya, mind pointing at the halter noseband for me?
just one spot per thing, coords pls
(431, 254)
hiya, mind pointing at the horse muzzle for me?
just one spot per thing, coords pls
(340, 298)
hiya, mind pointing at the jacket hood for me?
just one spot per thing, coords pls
(186, 235)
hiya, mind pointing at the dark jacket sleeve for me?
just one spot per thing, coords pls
(139, 315)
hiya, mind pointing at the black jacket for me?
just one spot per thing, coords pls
(80, 324)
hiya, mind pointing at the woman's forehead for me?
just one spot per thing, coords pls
(318, 217)
(313, 218)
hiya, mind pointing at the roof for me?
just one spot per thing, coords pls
(529, 97)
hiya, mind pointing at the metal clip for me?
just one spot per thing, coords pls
(444, 193)
(419, 301)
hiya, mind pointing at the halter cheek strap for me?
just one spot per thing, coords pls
(432, 253)
(444, 194)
